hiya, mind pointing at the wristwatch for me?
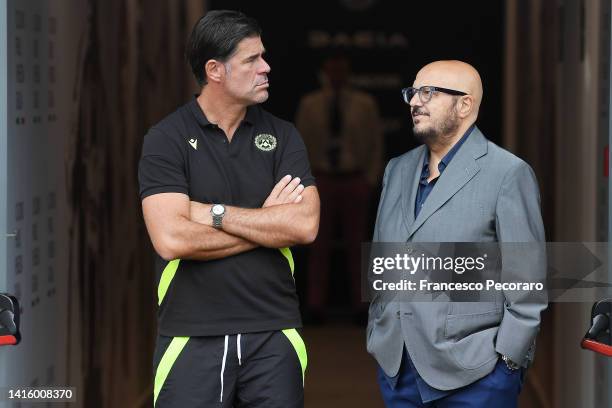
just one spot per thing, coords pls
(217, 211)
(509, 363)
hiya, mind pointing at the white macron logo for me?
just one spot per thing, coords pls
(194, 143)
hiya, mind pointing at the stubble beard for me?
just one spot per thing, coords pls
(438, 131)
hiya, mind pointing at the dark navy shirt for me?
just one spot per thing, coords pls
(427, 392)
(425, 187)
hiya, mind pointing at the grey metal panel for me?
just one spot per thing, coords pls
(3, 138)
(3, 165)
(28, 181)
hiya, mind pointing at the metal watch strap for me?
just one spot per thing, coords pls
(217, 221)
(509, 363)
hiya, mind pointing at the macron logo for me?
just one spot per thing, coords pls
(194, 143)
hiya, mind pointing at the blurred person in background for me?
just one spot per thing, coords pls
(342, 130)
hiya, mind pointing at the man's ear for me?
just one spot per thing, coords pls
(465, 106)
(214, 70)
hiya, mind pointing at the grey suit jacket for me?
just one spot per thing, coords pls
(486, 194)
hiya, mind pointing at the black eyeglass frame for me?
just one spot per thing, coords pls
(433, 89)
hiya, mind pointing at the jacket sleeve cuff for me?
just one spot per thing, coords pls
(516, 339)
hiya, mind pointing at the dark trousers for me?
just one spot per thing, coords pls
(499, 389)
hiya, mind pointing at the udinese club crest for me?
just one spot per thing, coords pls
(265, 142)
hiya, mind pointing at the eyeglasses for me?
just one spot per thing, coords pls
(426, 92)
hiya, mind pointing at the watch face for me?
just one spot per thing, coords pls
(218, 209)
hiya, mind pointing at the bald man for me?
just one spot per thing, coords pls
(456, 187)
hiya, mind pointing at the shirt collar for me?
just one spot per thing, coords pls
(451, 153)
(251, 114)
(200, 116)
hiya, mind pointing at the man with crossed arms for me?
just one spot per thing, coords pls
(226, 188)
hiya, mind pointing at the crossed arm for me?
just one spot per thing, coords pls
(182, 229)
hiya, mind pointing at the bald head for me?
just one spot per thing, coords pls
(442, 117)
(455, 75)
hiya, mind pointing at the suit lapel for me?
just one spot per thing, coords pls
(460, 171)
(411, 174)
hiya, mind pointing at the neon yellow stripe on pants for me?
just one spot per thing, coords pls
(300, 348)
(166, 278)
(165, 365)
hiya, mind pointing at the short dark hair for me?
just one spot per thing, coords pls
(216, 36)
